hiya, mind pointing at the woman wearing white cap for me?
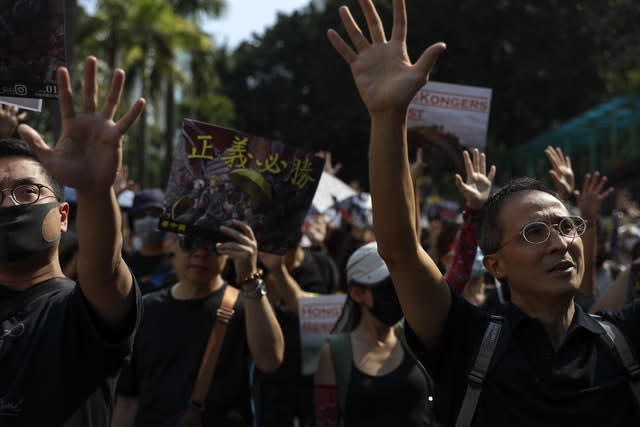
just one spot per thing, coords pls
(366, 376)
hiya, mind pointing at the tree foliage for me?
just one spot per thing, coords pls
(546, 61)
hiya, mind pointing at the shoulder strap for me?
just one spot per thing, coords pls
(399, 329)
(15, 302)
(479, 371)
(627, 358)
(341, 357)
(224, 314)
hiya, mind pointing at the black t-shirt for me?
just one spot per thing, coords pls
(398, 398)
(60, 364)
(317, 273)
(167, 353)
(528, 383)
(152, 272)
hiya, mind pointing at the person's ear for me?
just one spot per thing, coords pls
(494, 265)
(357, 293)
(64, 210)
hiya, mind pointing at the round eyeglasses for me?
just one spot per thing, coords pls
(538, 232)
(26, 194)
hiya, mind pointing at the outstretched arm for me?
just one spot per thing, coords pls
(590, 200)
(476, 190)
(264, 336)
(279, 279)
(87, 157)
(387, 81)
(561, 172)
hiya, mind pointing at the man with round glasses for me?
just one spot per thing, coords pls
(551, 365)
(63, 343)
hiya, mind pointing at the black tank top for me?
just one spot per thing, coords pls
(397, 399)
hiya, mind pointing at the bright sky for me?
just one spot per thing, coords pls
(244, 17)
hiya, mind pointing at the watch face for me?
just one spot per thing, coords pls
(261, 288)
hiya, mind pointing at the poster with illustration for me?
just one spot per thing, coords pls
(445, 114)
(31, 47)
(221, 174)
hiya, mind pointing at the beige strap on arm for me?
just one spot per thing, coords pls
(224, 314)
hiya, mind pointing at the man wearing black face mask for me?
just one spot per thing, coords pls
(62, 343)
(150, 262)
(384, 385)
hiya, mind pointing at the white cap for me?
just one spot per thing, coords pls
(366, 267)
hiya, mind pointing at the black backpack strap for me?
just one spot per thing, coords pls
(399, 330)
(479, 371)
(626, 355)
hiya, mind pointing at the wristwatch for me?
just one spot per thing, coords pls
(256, 293)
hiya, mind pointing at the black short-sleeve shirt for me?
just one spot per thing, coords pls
(528, 383)
(60, 364)
(167, 353)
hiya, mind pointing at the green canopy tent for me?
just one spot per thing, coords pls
(604, 138)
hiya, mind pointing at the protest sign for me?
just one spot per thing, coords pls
(32, 104)
(452, 113)
(221, 174)
(317, 316)
(331, 191)
(31, 47)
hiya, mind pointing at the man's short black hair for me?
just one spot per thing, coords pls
(489, 227)
(12, 147)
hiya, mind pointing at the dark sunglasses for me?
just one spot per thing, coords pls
(190, 244)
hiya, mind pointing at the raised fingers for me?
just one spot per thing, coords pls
(240, 232)
(352, 28)
(341, 47)
(130, 117)
(113, 95)
(399, 32)
(376, 30)
(65, 94)
(90, 85)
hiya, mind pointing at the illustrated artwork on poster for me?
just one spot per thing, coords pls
(31, 47)
(221, 174)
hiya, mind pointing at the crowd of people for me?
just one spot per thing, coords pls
(521, 309)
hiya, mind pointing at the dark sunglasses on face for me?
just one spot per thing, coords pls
(190, 244)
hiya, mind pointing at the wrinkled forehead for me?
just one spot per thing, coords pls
(528, 206)
(19, 170)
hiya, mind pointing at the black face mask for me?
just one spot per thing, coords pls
(386, 307)
(21, 231)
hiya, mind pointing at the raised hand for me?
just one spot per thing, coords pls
(10, 118)
(384, 75)
(477, 189)
(88, 153)
(562, 173)
(418, 166)
(243, 249)
(592, 195)
(329, 167)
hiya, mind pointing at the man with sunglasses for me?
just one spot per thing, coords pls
(551, 366)
(63, 343)
(156, 388)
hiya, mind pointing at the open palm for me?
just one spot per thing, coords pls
(88, 153)
(477, 188)
(384, 75)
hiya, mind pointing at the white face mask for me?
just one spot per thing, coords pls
(136, 243)
(146, 231)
